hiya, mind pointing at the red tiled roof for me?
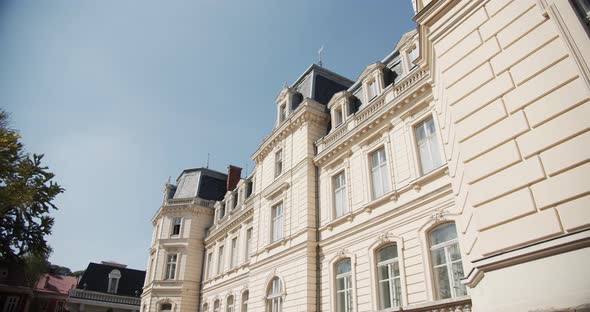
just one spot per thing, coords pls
(54, 283)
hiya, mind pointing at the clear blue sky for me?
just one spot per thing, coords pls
(119, 95)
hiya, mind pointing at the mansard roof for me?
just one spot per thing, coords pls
(318, 83)
(201, 182)
(96, 278)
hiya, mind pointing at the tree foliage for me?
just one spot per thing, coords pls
(26, 195)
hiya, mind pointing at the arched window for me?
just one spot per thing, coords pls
(343, 286)
(216, 306)
(389, 283)
(274, 299)
(446, 262)
(114, 277)
(230, 304)
(245, 296)
(205, 307)
(166, 307)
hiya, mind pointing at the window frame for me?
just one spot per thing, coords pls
(278, 163)
(114, 278)
(233, 262)
(384, 172)
(348, 291)
(445, 246)
(230, 307)
(345, 209)
(389, 263)
(277, 231)
(167, 272)
(176, 227)
(274, 295)
(435, 136)
(220, 260)
(248, 245)
(209, 264)
(244, 303)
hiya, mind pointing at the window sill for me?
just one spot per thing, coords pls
(281, 241)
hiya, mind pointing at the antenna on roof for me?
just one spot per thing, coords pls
(320, 51)
(207, 161)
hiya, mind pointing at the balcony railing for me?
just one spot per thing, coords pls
(98, 296)
(190, 201)
(461, 304)
(372, 108)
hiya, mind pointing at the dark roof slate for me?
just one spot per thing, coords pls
(96, 278)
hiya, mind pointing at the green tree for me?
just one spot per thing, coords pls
(26, 195)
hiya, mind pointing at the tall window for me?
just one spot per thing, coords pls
(222, 210)
(209, 263)
(171, 267)
(114, 277)
(274, 299)
(340, 206)
(11, 304)
(338, 116)
(446, 262)
(343, 286)
(248, 243)
(235, 200)
(205, 307)
(379, 174)
(282, 113)
(412, 56)
(249, 188)
(245, 297)
(371, 90)
(216, 306)
(234, 252)
(176, 226)
(230, 304)
(388, 277)
(278, 163)
(277, 222)
(428, 146)
(220, 260)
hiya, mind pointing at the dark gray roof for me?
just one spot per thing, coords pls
(201, 182)
(96, 278)
(320, 84)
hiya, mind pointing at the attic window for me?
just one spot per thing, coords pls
(412, 55)
(114, 277)
(371, 90)
(282, 112)
(176, 226)
(235, 199)
(222, 210)
(338, 117)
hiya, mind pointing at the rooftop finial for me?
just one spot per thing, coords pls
(207, 161)
(320, 51)
(169, 178)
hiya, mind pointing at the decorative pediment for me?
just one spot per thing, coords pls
(284, 92)
(406, 38)
(337, 97)
(371, 68)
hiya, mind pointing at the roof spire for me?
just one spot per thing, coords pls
(320, 51)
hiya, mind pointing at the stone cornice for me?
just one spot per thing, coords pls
(222, 230)
(193, 206)
(370, 69)
(308, 111)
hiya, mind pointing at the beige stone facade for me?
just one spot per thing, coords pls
(452, 175)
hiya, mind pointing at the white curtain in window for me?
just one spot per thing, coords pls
(446, 262)
(274, 300)
(389, 277)
(340, 204)
(379, 174)
(428, 146)
(343, 286)
(277, 222)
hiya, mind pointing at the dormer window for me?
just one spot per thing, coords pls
(282, 112)
(176, 226)
(235, 200)
(338, 116)
(371, 90)
(114, 277)
(222, 210)
(412, 56)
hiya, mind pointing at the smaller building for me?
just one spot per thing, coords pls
(107, 286)
(51, 291)
(15, 293)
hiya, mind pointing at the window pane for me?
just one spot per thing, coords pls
(438, 256)
(441, 280)
(383, 272)
(460, 289)
(384, 291)
(397, 292)
(455, 252)
(443, 233)
(343, 267)
(386, 253)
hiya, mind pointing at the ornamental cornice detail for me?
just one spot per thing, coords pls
(223, 230)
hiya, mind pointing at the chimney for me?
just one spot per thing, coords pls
(233, 177)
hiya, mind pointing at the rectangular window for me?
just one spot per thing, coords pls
(277, 222)
(248, 243)
(371, 90)
(338, 117)
(235, 199)
(59, 306)
(340, 202)
(278, 163)
(234, 252)
(249, 189)
(412, 55)
(220, 260)
(176, 226)
(282, 113)
(583, 9)
(428, 146)
(209, 263)
(222, 210)
(11, 304)
(379, 174)
(171, 267)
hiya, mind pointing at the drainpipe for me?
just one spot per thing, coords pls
(317, 241)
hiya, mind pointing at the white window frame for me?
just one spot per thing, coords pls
(220, 264)
(233, 253)
(379, 173)
(11, 304)
(372, 90)
(389, 264)
(274, 297)
(230, 307)
(283, 112)
(245, 297)
(248, 245)
(205, 307)
(338, 116)
(114, 278)
(347, 291)
(446, 246)
(171, 265)
(279, 162)
(340, 190)
(217, 305)
(277, 220)
(431, 144)
(176, 225)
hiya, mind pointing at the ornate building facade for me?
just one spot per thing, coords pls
(452, 175)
